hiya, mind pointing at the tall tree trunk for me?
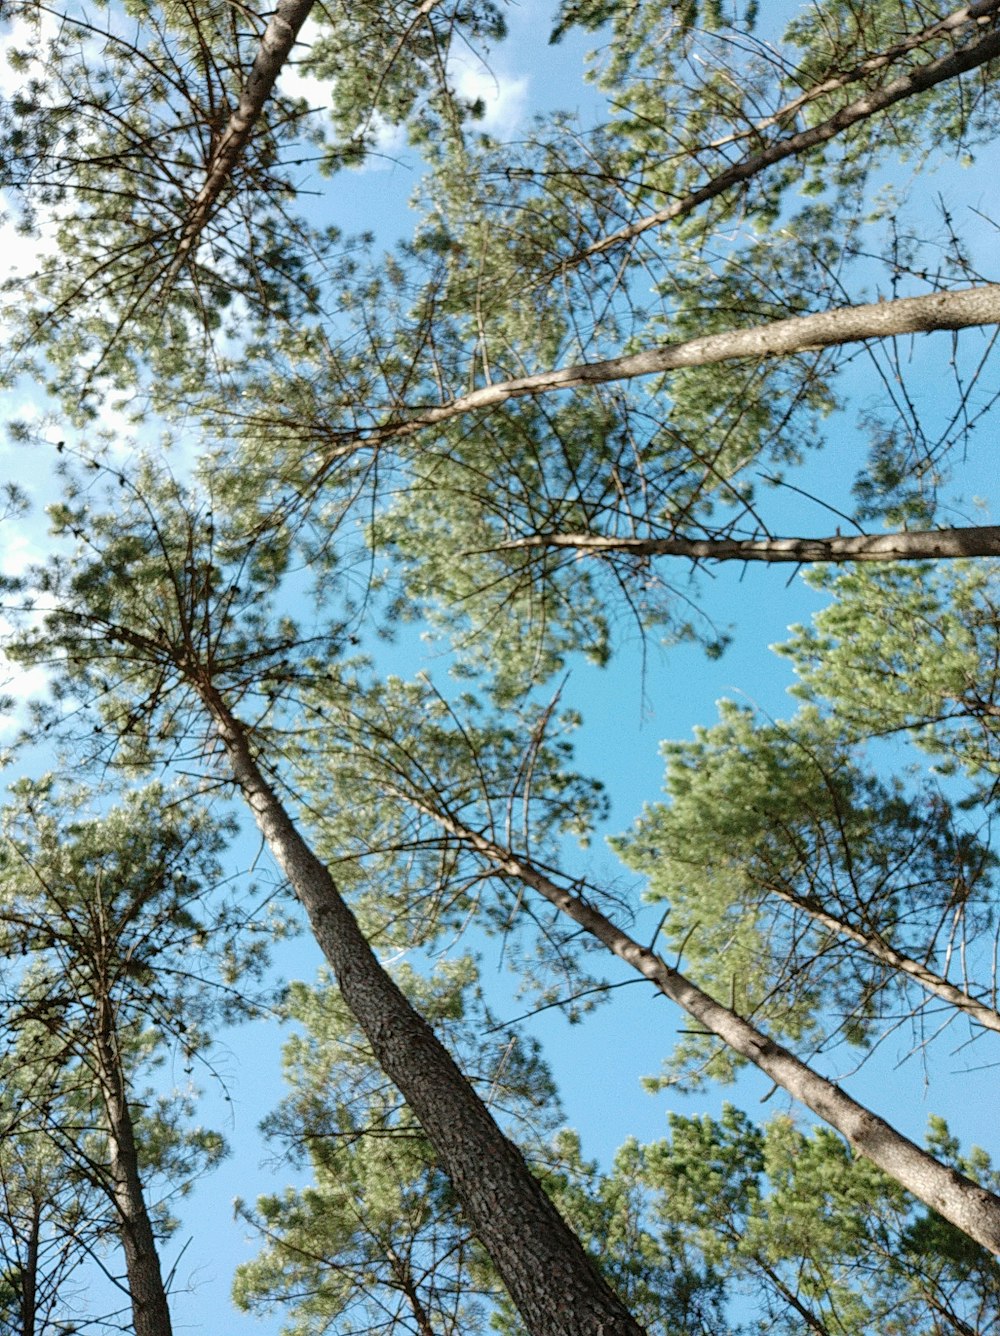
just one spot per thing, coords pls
(877, 100)
(978, 540)
(275, 46)
(963, 308)
(554, 1284)
(150, 1311)
(28, 1279)
(969, 1207)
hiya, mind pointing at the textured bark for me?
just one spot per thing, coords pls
(28, 1279)
(912, 545)
(150, 1311)
(969, 1207)
(907, 85)
(961, 309)
(278, 40)
(550, 1278)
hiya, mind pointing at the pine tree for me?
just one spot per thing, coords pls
(602, 348)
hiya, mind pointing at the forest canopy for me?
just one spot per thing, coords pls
(405, 408)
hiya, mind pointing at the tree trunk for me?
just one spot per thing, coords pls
(880, 99)
(981, 540)
(963, 308)
(278, 40)
(150, 1311)
(969, 1207)
(549, 1277)
(28, 1279)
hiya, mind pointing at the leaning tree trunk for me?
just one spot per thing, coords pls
(150, 1312)
(971, 1208)
(874, 101)
(278, 40)
(962, 308)
(976, 540)
(554, 1284)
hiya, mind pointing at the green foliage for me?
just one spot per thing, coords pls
(111, 133)
(667, 1284)
(777, 844)
(377, 1237)
(810, 1234)
(157, 591)
(53, 1215)
(909, 649)
(385, 65)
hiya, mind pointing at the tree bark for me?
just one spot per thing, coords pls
(969, 1207)
(981, 540)
(150, 1311)
(278, 40)
(28, 1279)
(907, 85)
(963, 308)
(549, 1277)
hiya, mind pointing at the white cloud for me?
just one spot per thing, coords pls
(505, 97)
(22, 254)
(26, 34)
(20, 685)
(19, 551)
(291, 80)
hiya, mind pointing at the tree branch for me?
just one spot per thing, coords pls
(908, 545)
(918, 81)
(278, 40)
(877, 946)
(962, 308)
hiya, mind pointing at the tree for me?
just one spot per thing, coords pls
(109, 911)
(151, 141)
(814, 1238)
(808, 890)
(937, 631)
(53, 1217)
(601, 347)
(165, 617)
